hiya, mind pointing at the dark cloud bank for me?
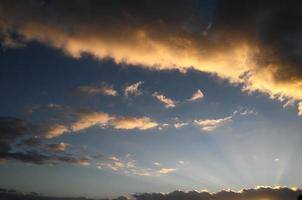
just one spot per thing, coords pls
(18, 132)
(247, 194)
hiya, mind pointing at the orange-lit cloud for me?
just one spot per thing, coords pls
(259, 52)
(167, 170)
(56, 131)
(169, 103)
(127, 123)
(90, 119)
(133, 89)
(212, 124)
(300, 109)
(57, 147)
(197, 95)
(86, 120)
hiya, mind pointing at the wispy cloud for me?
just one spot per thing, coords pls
(167, 170)
(90, 119)
(128, 165)
(57, 147)
(104, 89)
(125, 165)
(169, 103)
(197, 95)
(56, 130)
(86, 120)
(133, 89)
(211, 124)
(127, 123)
(180, 124)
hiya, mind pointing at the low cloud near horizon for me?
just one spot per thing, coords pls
(259, 193)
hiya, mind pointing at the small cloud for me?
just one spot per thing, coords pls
(180, 125)
(114, 158)
(57, 147)
(276, 159)
(197, 95)
(104, 89)
(157, 163)
(169, 103)
(211, 124)
(300, 109)
(248, 112)
(83, 162)
(133, 89)
(166, 170)
(54, 106)
(90, 119)
(128, 123)
(181, 162)
(56, 130)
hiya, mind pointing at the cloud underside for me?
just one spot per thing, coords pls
(255, 44)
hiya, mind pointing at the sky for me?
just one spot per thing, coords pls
(109, 98)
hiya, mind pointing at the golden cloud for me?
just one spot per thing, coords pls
(228, 48)
(169, 103)
(127, 123)
(90, 119)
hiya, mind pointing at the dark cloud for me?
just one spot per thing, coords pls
(10, 130)
(246, 194)
(14, 130)
(274, 25)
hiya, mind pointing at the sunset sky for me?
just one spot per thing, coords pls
(117, 97)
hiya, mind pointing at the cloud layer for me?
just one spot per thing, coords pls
(278, 193)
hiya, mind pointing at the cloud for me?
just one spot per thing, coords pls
(90, 119)
(15, 130)
(133, 89)
(238, 42)
(57, 147)
(87, 119)
(169, 103)
(56, 130)
(128, 123)
(273, 193)
(211, 124)
(197, 95)
(300, 108)
(181, 162)
(180, 124)
(104, 89)
(125, 165)
(11, 129)
(167, 170)
(279, 193)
